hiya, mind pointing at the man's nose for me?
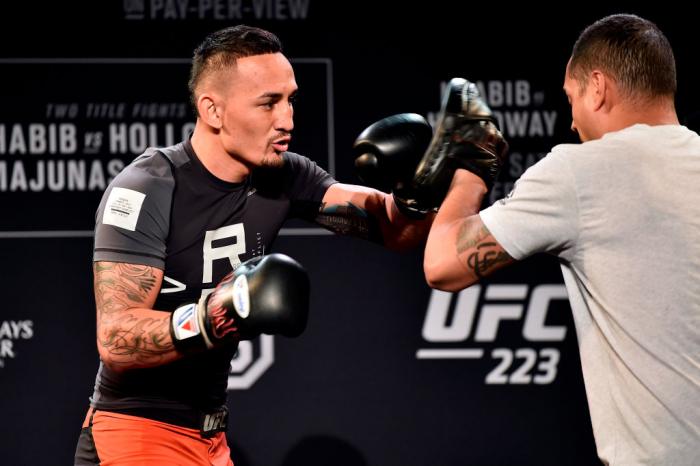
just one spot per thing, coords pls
(285, 119)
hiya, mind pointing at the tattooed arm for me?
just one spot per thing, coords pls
(370, 214)
(130, 334)
(460, 249)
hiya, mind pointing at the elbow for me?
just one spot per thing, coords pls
(439, 282)
(444, 278)
(108, 357)
(113, 365)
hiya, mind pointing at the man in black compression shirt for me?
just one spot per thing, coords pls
(176, 221)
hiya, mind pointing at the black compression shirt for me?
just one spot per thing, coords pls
(167, 211)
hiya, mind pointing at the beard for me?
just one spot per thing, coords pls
(272, 161)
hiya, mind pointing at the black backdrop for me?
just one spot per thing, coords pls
(388, 372)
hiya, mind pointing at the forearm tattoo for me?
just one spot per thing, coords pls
(142, 339)
(482, 254)
(127, 336)
(349, 220)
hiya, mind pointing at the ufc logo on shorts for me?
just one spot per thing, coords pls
(215, 421)
(477, 313)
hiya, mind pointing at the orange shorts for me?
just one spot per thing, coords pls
(118, 439)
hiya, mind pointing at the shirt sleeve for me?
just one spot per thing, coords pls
(309, 184)
(132, 220)
(540, 214)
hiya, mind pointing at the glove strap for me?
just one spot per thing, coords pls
(408, 209)
(187, 330)
(201, 316)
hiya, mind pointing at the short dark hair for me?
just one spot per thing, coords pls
(222, 48)
(632, 50)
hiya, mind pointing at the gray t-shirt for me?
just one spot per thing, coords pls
(623, 215)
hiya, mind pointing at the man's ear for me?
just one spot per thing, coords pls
(599, 89)
(209, 111)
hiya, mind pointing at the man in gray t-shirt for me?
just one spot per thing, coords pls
(622, 213)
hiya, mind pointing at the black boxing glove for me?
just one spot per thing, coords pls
(388, 153)
(267, 294)
(466, 137)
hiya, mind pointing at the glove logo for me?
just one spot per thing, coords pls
(241, 298)
(186, 325)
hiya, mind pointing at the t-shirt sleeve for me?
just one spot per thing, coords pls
(132, 220)
(540, 214)
(309, 184)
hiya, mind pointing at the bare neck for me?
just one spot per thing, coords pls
(652, 114)
(213, 155)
